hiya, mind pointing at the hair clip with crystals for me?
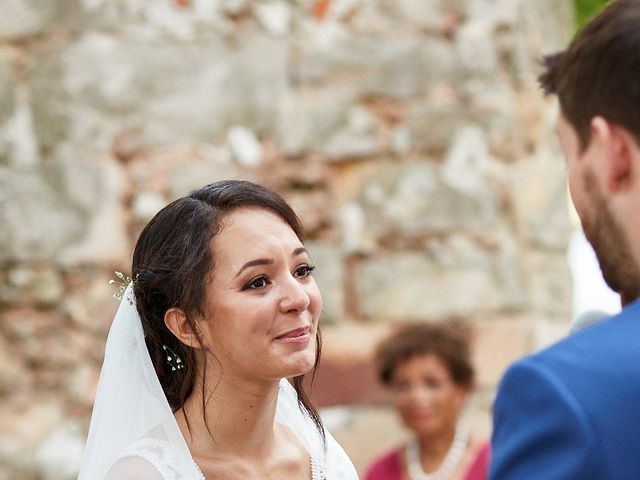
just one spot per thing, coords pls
(121, 285)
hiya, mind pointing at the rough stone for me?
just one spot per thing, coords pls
(23, 18)
(303, 124)
(234, 7)
(60, 454)
(358, 137)
(541, 206)
(162, 91)
(414, 286)
(549, 284)
(41, 416)
(433, 126)
(244, 146)
(475, 49)
(274, 16)
(467, 162)
(14, 373)
(546, 333)
(21, 142)
(398, 67)
(183, 20)
(39, 286)
(498, 342)
(315, 209)
(90, 304)
(430, 15)
(414, 201)
(355, 237)
(7, 82)
(106, 239)
(147, 204)
(37, 220)
(81, 381)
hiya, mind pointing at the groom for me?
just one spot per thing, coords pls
(572, 411)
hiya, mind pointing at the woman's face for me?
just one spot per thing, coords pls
(262, 304)
(425, 395)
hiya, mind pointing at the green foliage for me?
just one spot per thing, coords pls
(586, 9)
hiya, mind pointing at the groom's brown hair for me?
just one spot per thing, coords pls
(599, 74)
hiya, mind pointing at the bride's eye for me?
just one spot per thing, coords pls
(256, 283)
(303, 271)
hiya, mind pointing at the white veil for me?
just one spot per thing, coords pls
(133, 433)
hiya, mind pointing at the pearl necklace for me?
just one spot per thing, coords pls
(448, 465)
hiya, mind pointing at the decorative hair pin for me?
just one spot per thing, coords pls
(174, 361)
(120, 286)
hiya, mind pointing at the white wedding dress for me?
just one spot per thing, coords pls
(133, 434)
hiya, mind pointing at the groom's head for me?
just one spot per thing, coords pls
(597, 81)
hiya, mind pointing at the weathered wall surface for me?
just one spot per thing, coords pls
(409, 135)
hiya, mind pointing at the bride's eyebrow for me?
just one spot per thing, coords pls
(253, 263)
(268, 261)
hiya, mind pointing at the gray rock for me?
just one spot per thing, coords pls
(147, 204)
(358, 138)
(197, 175)
(59, 456)
(467, 162)
(541, 207)
(355, 236)
(7, 94)
(37, 220)
(21, 143)
(184, 21)
(543, 27)
(417, 286)
(303, 123)
(245, 146)
(428, 14)
(274, 16)
(414, 201)
(234, 7)
(398, 67)
(549, 284)
(475, 49)
(166, 92)
(432, 126)
(23, 18)
(105, 239)
(39, 286)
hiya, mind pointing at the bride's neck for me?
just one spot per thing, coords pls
(239, 416)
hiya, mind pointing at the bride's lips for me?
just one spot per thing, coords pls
(297, 335)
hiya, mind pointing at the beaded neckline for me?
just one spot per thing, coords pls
(317, 472)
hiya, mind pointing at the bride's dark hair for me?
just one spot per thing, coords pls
(171, 261)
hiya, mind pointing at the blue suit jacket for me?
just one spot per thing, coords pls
(572, 411)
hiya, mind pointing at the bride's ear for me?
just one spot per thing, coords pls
(178, 323)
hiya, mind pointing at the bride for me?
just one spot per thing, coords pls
(223, 309)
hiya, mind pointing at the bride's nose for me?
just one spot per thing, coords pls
(294, 296)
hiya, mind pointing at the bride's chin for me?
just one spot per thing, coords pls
(300, 366)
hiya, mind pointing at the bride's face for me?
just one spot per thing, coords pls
(262, 304)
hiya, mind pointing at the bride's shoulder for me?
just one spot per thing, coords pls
(147, 458)
(133, 468)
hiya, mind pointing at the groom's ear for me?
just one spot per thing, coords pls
(178, 323)
(619, 151)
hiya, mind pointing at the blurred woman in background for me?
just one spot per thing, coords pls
(428, 372)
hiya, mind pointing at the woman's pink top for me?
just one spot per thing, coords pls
(389, 466)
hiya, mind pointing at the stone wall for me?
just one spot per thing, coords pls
(409, 135)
